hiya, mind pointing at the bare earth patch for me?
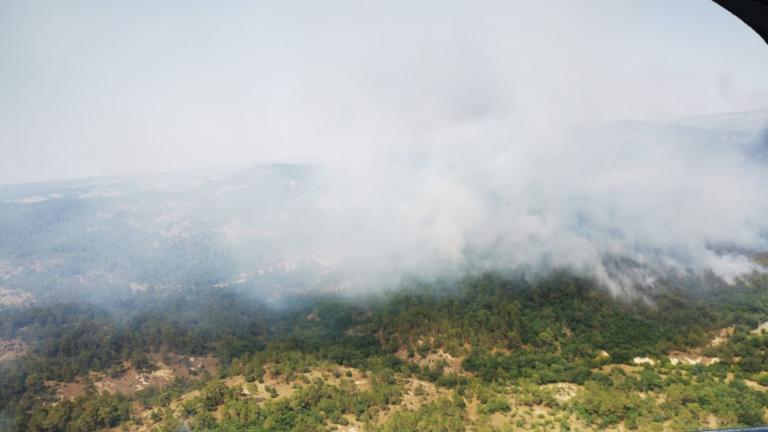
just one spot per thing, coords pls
(722, 336)
(432, 359)
(684, 358)
(14, 297)
(130, 381)
(11, 349)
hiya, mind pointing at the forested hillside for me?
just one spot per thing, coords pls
(489, 353)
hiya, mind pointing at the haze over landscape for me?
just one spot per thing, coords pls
(625, 202)
(437, 216)
(449, 138)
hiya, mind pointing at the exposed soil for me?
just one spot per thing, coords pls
(432, 359)
(11, 349)
(14, 297)
(131, 380)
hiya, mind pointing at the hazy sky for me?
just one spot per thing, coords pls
(106, 87)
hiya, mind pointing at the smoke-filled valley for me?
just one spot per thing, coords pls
(451, 294)
(624, 203)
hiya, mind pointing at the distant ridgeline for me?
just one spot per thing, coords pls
(276, 229)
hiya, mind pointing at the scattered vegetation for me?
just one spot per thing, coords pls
(491, 354)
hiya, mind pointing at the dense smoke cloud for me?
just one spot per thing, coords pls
(663, 197)
(476, 154)
(447, 137)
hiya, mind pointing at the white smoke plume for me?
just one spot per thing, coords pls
(451, 136)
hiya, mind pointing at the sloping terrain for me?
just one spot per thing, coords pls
(495, 354)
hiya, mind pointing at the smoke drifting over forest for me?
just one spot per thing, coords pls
(623, 202)
(664, 197)
(453, 139)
